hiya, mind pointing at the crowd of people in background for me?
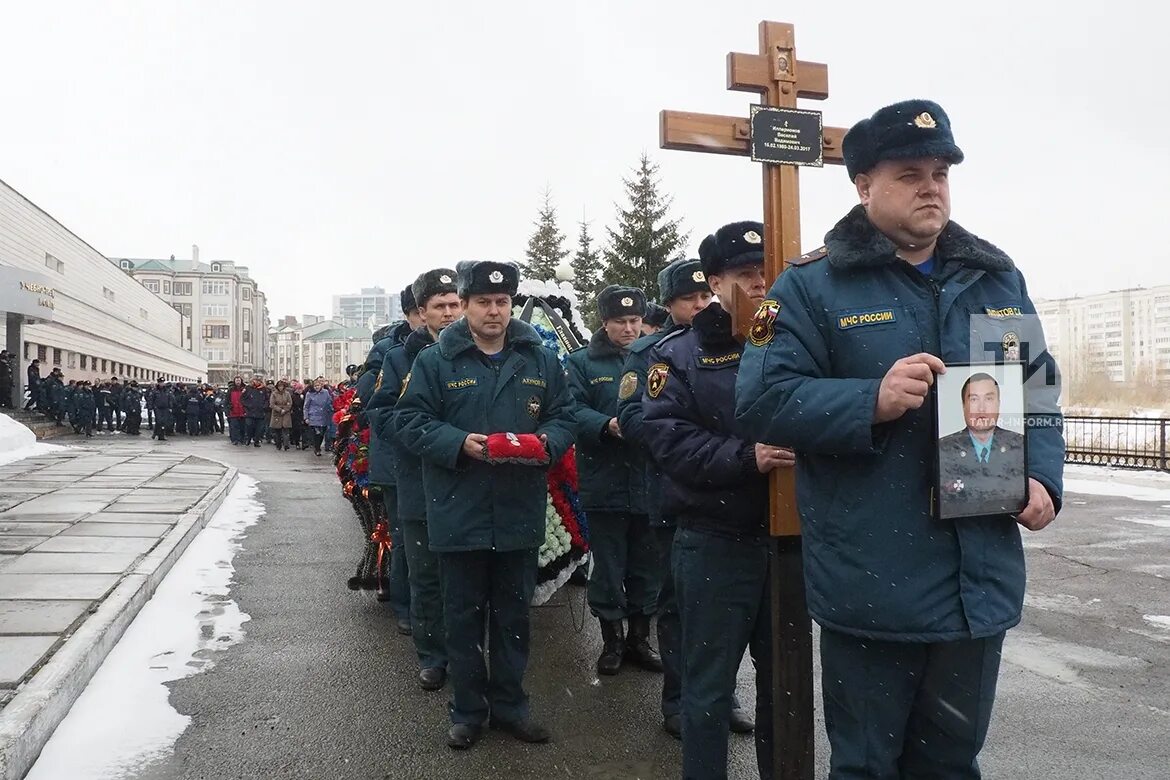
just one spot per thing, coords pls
(283, 413)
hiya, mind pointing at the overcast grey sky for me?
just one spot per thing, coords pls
(334, 146)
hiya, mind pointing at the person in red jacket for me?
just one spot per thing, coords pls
(236, 412)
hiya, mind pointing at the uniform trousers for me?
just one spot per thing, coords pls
(669, 627)
(493, 588)
(724, 602)
(907, 710)
(398, 575)
(625, 576)
(426, 594)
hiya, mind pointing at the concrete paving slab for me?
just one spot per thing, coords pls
(19, 655)
(40, 616)
(96, 544)
(62, 502)
(57, 586)
(19, 544)
(15, 515)
(132, 517)
(39, 525)
(152, 530)
(156, 507)
(70, 563)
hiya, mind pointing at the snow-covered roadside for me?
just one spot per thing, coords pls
(18, 442)
(123, 721)
(1121, 483)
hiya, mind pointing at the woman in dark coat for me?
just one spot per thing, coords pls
(298, 414)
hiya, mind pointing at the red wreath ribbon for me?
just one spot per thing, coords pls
(381, 537)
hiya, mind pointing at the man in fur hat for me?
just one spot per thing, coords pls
(843, 356)
(399, 472)
(623, 585)
(488, 388)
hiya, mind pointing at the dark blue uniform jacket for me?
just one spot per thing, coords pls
(708, 459)
(876, 563)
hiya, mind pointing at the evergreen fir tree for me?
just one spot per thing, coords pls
(645, 238)
(587, 270)
(546, 246)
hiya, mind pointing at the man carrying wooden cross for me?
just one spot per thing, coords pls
(913, 610)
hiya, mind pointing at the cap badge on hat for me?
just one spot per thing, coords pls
(627, 301)
(495, 277)
(445, 279)
(698, 276)
(925, 121)
(752, 237)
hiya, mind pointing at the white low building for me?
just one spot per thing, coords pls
(69, 306)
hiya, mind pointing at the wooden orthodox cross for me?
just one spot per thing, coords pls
(782, 139)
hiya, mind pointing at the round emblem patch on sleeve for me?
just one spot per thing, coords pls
(628, 386)
(656, 379)
(764, 324)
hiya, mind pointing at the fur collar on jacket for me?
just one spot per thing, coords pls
(855, 243)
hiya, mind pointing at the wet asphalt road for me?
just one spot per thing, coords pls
(323, 687)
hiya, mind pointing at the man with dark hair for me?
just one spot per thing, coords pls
(624, 581)
(164, 401)
(33, 374)
(980, 463)
(487, 409)
(116, 402)
(132, 406)
(843, 354)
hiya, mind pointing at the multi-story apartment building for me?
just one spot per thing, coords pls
(370, 308)
(316, 347)
(1123, 335)
(228, 313)
(62, 302)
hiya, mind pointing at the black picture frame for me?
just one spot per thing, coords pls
(962, 487)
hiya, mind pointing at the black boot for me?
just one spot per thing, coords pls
(638, 647)
(613, 647)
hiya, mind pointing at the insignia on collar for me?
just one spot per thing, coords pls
(445, 279)
(752, 237)
(656, 379)
(925, 121)
(764, 324)
(495, 277)
(698, 276)
(628, 386)
(1011, 346)
(533, 407)
(627, 302)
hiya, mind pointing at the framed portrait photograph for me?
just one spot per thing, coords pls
(982, 449)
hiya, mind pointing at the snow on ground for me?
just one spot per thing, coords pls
(17, 442)
(1121, 483)
(124, 721)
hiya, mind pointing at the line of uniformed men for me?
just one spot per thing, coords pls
(675, 442)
